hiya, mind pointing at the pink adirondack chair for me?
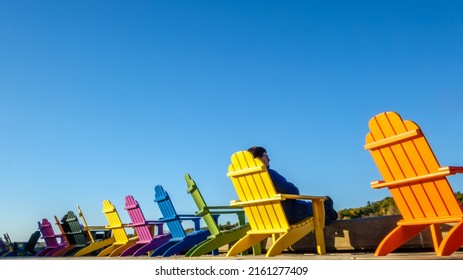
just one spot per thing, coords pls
(150, 233)
(51, 239)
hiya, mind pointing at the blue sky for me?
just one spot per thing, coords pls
(101, 99)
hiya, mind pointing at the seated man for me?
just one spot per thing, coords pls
(296, 210)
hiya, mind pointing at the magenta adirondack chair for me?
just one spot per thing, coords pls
(150, 233)
(68, 246)
(51, 239)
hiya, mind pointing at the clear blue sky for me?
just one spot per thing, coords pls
(100, 99)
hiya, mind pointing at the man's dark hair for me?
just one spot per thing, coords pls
(257, 151)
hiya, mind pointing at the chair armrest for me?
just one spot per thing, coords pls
(226, 212)
(277, 197)
(156, 223)
(303, 197)
(257, 201)
(218, 210)
(122, 225)
(95, 227)
(441, 173)
(225, 207)
(196, 220)
(91, 228)
(453, 169)
(188, 217)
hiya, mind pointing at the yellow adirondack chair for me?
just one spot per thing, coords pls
(418, 184)
(118, 231)
(95, 244)
(263, 208)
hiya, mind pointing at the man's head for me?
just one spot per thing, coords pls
(260, 153)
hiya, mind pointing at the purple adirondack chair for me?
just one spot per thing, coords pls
(148, 240)
(51, 239)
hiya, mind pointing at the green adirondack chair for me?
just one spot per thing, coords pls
(76, 233)
(218, 238)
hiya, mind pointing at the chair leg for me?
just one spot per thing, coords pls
(54, 251)
(156, 243)
(163, 248)
(205, 247)
(63, 251)
(198, 249)
(44, 252)
(289, 238)
(122, 248)
(106, 251)
(397, 237)
(436, 235)
(246, 242)
(94, 247)
(131, 250)
(319, 225)
(216, 242)
(186, 244)
(453, 241)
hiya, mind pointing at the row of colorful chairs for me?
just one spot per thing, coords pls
(77, 238)
(399, 148)
(259, 212)
(263, 210)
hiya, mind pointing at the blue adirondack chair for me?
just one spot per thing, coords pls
(180, 242)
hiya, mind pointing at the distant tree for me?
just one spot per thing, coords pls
(384, 207)
(459, 197)
(228, 226)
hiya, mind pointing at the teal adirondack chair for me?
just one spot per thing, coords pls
(218, 238)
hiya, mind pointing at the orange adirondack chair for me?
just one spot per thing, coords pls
(418, 184)
(262, 206)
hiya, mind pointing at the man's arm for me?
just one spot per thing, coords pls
(281, 184)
